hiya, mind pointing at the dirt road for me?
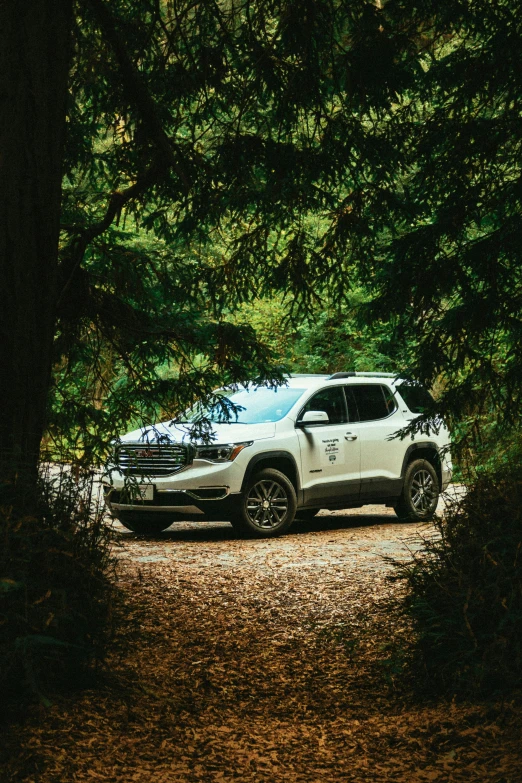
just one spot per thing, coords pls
(267, 661)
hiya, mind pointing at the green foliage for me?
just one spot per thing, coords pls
(482, 445)
(465, 589)
(281, 159)
(335, 157)
(205, 179)
(333, 339)
(446, 264)
(56, 594)
(299, 151)
(146, 347)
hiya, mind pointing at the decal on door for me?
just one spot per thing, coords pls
(332, 452)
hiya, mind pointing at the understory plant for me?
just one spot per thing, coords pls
(465, 588)
(56, 587)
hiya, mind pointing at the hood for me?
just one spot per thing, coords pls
(180, 433)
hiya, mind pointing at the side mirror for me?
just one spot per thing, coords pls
(313, 417)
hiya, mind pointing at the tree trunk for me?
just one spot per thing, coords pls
(35, 42)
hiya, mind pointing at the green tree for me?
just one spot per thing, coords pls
(446, 266)
(230, 124)
(333, 339)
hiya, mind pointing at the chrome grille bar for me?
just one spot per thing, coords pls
(151, 459)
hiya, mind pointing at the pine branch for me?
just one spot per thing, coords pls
(168, 154)
(117, 201)
(138, 92)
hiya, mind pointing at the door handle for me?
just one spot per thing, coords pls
(350, 436)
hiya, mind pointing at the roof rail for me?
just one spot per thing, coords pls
(338, 375)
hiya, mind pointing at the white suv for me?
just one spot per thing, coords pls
(318, 442)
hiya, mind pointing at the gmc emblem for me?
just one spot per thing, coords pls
(146, 453)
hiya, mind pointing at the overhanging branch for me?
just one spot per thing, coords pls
(168, 155)
(138, 93)
(117, 201)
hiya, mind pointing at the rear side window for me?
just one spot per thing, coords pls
(373, 401)
(416, 397)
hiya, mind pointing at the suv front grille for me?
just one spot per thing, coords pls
(151, 459)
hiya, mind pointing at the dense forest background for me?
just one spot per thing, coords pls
(199, 194)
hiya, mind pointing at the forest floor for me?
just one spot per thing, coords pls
(258, 661)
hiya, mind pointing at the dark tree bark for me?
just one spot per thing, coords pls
(35, 41)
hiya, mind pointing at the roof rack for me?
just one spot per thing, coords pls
(338, 375)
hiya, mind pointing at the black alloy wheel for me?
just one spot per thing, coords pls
(420, 494)
(268, 505)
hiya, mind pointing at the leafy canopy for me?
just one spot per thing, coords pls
(213, 151)
(446, 266)
(226, 151)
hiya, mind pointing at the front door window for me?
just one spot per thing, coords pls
(331, 401)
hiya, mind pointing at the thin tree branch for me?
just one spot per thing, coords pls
(117, 201)
(168, 154)
(138, 92)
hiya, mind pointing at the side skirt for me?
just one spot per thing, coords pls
(344, 494)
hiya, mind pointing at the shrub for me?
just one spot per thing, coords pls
(55, 586)
(465, 588)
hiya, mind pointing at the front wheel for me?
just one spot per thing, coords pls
(420, 494)
(267, 506)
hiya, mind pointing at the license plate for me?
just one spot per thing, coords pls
(145, 492)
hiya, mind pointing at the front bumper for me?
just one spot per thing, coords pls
(208, 502)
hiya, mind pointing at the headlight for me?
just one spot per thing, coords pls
(221, 452)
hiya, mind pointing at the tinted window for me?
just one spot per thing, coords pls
(329, 400)
(372, 403)
(416, 397)
(389, 399)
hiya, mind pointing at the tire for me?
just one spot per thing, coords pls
(257, 520)
(306, 514)
(144, 524)
(420, 493)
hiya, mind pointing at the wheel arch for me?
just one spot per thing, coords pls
(283, 461)
(427, 450)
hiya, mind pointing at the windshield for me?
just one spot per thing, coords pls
(252, 406)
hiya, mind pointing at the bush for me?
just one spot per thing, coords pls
(465, 589)
(55, 587)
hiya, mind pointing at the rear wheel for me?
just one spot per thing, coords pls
(267, 505)
(144, 524)
(420, 494)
